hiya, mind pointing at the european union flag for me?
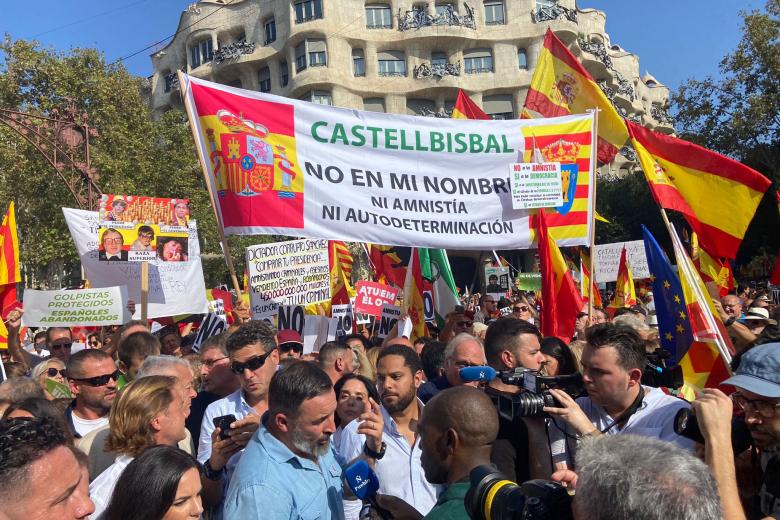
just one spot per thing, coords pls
(674, 326)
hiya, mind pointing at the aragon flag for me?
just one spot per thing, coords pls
(561, 300)
(465, 108)
(561, 86)
(717, 195)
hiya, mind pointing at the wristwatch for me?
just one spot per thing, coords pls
(730, 321)
(211, 473)
(376, 455)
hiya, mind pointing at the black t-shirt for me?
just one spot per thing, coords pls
(510, 450)
(198, 409)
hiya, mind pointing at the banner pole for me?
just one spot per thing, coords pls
(184, 86)
(592, 209)
(144, 290)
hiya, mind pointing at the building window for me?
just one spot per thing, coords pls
(321, 97)
(201, 52)
(443, 10)
(270, 31)
(420, 107)
(300, 56)
(240, 37)
(306, 10)
(494, 13)
(374, 104)
(317, 53)
(379, 17)
(170, 79)
(438, 58)
(358, 63)
(498, 106)
(522, 59)
(284, 70)
(392, 63)
(546, 4)
(477, 61)
(264, 77)
(236, 83)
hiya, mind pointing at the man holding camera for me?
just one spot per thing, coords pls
(613, 361)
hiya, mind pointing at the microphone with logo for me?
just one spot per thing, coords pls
(363, 483)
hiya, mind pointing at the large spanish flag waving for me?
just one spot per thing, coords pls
(717, 195)
(560, 298)
(561, 86)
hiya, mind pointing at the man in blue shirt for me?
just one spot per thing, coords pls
(288, 469)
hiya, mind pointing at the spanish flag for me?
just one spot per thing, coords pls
(10, 268)
(465, 108)
(718, 196)
(388, 266)
(561, 86)
(712, 269)
(561, 300)
(414, 286)
(625, 294)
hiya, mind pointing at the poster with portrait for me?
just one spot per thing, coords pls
(143, 229)
(497, 282)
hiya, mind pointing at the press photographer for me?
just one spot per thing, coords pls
(617, 403)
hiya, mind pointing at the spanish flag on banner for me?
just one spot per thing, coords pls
(625, 294)
(465, 108)
(560, 299)
(561, 86)
(10, 268)
(717, 195)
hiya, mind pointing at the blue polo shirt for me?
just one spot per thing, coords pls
(271, 481)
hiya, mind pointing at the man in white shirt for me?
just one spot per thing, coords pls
(398, 467)
(617, 402)
(92, 376)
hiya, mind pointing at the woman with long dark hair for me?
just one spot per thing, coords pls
(162, 483)
(559, 361)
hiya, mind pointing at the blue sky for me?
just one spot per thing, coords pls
(675, 39)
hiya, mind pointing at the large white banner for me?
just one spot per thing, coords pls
(174, 287)
(81, 307)
(287, 167)
(607, 260)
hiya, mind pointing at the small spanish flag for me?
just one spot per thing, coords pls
(10, 268)
(465, 108)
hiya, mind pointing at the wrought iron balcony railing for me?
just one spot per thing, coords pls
(436, 70)
(553, 12)
(418, 17)
(233, 51)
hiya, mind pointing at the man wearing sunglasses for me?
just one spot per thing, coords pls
(290, 344)
(59, 341)
(92, 375)
(254, 357)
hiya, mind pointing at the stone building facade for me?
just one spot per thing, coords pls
(399, 56)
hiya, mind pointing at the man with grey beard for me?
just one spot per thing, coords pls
(288, 469)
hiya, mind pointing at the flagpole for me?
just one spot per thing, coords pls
(209, 186)
(719, 341)
(592, 210)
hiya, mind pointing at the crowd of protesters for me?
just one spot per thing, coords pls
(250, 426)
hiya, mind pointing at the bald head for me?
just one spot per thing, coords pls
(468, 411)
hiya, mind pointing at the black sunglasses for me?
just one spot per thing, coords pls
(57, 346)
(252, 363)
(287, 347)
(52, 372)
(99, 380)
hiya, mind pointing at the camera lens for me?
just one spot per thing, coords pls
(492, 497)
(531, 405)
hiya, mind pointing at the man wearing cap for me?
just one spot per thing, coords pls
(756, 319)
(118, 206)
(290, 344)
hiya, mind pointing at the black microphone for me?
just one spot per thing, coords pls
(483, 374)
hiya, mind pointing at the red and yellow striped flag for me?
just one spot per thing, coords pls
(717, 195)
(625, 294)
(10, 268)
(414, 285)
(588, 286)
(561, 86)
(340, 272)
(465, 108)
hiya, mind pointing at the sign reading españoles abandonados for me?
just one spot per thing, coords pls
(81, 307)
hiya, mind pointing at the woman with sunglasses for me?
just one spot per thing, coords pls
(50, 370)
(38, 408)
(94, 340)
(523, 310)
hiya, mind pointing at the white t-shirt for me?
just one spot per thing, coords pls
(84, 426)
(101, 489)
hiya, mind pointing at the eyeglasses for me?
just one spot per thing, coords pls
(209, 363)
(763, 408)
(58, 346)
(52, 372)
(252, 363)
(94, 343)
(520, 309)
(98, 380)
(465, 323)
(146, 236)
(287, 347)
(112, 241)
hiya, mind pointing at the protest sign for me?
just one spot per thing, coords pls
(291, 317)
(211, 325)
(537, 185)
(142, 229)
(174, 287)
(529, 281)
(387, 320)
(282, 166)
(79, 307)
(343, 313)
(296, 272)
(317, 331)
(429, 311)
(371, 296)
(57, 390)
(607, 260)
(497, 282)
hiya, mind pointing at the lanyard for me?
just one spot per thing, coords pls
(625, 416)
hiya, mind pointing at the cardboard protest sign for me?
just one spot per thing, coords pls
(79, 307)
(211, 325)
(174, 287)
(387, 320)
(143, 229)
(291, 317)
(607, 260)
(296, 272)
(281, 166)
(343, 313)
(371, 296)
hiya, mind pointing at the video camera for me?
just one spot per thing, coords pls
(686, 424)
(537, 395)
(492, 497)
(657, 374)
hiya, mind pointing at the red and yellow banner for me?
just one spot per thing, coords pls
(625, 293)
(465, 108)
(10, 268)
